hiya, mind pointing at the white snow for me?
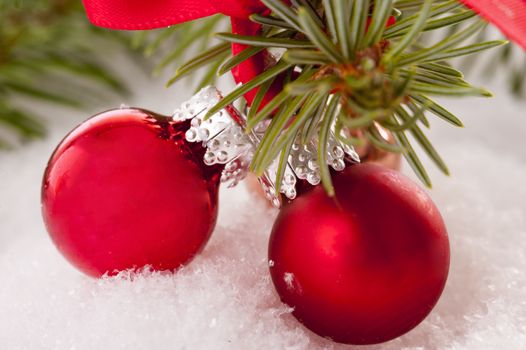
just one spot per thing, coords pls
(288, 277)
(225, 300)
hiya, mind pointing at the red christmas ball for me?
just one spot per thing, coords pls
(366, 266)
(124, 190)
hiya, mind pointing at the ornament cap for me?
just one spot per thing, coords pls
(227, 142)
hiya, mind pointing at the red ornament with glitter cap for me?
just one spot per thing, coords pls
(130, 188)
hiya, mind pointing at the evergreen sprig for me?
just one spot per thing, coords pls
(43, 46)
(355, 74)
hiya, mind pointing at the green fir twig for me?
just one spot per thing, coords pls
(383, 75)
(46, 54)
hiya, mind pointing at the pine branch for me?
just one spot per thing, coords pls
(378, 75)
(45, 50)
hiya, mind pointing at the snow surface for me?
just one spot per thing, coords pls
(224, 299)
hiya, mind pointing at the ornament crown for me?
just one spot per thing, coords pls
(226, 142)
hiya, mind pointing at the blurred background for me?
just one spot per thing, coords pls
(56, 70)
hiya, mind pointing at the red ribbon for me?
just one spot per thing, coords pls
(508, 15)
(140, 14)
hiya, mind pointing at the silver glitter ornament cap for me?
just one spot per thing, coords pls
(226, 142)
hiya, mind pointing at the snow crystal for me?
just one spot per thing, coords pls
(288, 277)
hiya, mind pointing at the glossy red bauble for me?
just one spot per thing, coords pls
(125, 190)
(365, 267)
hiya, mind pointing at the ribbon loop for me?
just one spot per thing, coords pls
(141, 15)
